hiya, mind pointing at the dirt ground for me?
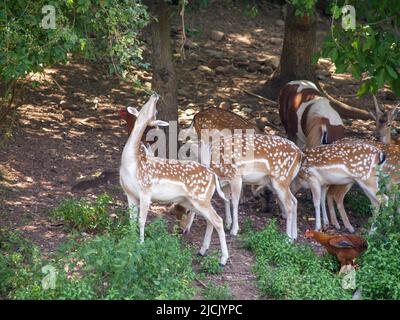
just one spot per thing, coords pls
(69, 127)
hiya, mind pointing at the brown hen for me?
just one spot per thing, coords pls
(345, 247)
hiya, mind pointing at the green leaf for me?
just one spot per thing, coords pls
(334, 54)
(380, 77)
(395, 86)
(391, 71)
(356, 71)
(336, 11)
(363, 89)
(369, 43)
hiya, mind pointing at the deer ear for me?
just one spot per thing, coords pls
(133, 111)
(159, 123)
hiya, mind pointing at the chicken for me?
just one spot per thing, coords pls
(345, 247)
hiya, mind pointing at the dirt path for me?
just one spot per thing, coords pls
(70, 127)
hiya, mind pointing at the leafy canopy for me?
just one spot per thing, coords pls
(370, 51)
(96, 28)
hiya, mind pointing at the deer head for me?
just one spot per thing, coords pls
(383, 120)
(147, 115)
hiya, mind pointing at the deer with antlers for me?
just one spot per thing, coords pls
(307, 116)
(145, 179)
(338, 164)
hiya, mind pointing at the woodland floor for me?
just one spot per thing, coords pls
(69, 128)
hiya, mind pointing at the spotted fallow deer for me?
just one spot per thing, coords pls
(338, 193)
(260, 160)
(145, 179)
(211, 119)
(338, 164)
(225, 122)
(307, 116)
(387, 144)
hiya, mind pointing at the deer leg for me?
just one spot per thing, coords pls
(236, 188)
(370, 188)
(215, 221)
(207, 238)
(285, 198)
(323, 207)
(331, 206)
(189, 222)
(144, 209)
(316, 194)
(339, 199)
(294, 219)
(228, 215)
(133, 205)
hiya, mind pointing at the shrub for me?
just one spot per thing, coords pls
(292, 271)
(379, 274)
(109, 267)
(16, 255)
(84, 215)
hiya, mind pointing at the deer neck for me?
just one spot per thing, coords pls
(131, 152)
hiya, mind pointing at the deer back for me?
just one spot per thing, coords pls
(357, 160)
(240, 154)
(219, 119)
(391, 151)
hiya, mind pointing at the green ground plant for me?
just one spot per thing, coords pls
(110, 265)
(292, 271)
(378, 277)
(85, 215)
(210, 263)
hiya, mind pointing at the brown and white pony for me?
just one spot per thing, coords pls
(307, 116)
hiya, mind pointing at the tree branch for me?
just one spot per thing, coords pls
(346, 111)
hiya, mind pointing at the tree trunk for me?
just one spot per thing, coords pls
(298, 47)
(164, 80)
